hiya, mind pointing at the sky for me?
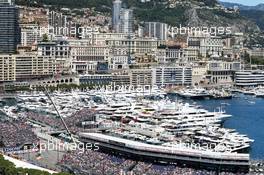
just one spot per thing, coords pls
(246, 2)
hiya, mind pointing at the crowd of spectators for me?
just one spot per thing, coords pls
(16, 133)
(73, 122)
(98, 163)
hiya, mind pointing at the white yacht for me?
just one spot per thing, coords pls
(195, 93)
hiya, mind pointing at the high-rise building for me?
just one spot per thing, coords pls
(156, 29)
(117, 4)
(58, 23)
(126, 21)
(9, 27)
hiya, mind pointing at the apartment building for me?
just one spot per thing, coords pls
(156, 30)
(172, 54)
(29, 34)
(97, 38)
(26, 67)
(9, 27)
(172, 75)
(168, 54)
(257, 52)
(199, 73)
(7, 68)
(119, 58)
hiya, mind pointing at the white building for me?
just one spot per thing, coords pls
(172, 75)
(136, 46)
(101, 38)
(176, 54)
(86, 58)
(29, 34)
(117, 5)
(156, 30)
(118, 59)
(60, 50)
(140, 77)
(57, 49)
(249, 78)
(126, 21)
(168, 54)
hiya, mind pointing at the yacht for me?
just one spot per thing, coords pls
(259, 92)
(220, 94)
(196, 93)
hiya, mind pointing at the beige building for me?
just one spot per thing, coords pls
(85, 57)
(199, 72)
(27, 66)
(7, 68)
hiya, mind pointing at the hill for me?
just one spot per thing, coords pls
(259, 7)
(200, 13)
(254, 13)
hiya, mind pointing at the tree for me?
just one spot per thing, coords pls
(45, 38)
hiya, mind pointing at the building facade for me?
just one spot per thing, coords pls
(9, 28)
(117, 5)
(221, 72)
(29, 34)
(126, 21)
(7, 68)
(156, 30)
(140, 77)
(23, 67)
(207, 46)
(249, 78)
(172, 76)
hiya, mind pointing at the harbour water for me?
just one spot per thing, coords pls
(247, 118)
